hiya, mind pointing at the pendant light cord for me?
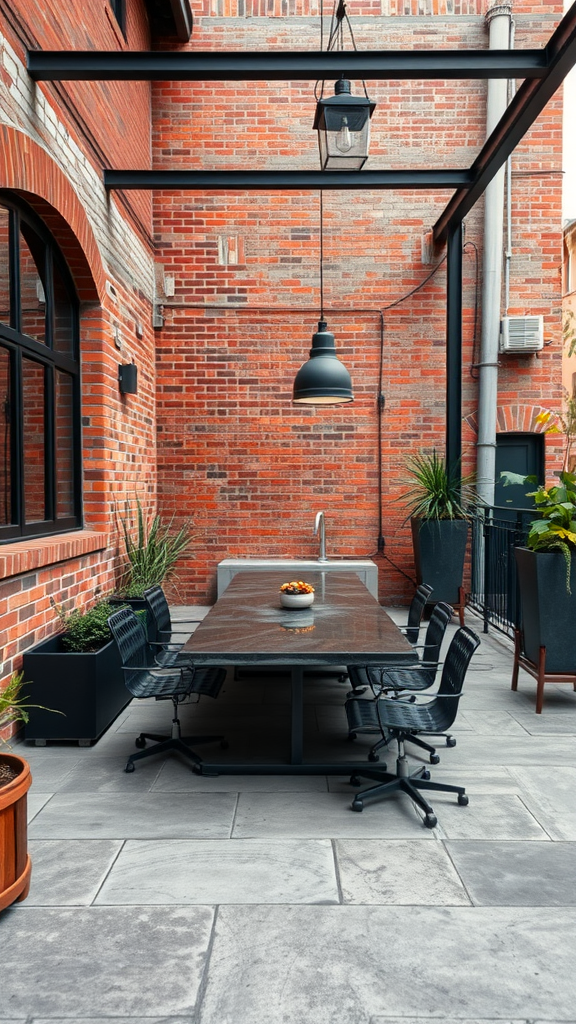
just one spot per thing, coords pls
(321, 255)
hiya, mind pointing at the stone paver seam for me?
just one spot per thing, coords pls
(532, 815)
(197, 1013)
(234, 816)
(334, 844)
(461, 880)
(105, 878)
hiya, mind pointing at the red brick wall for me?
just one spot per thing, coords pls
(249, 468)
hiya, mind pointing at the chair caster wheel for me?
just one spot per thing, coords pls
(224, 744)
(355, 781)
(434, 759)
(430, 821)
(463, 799)
(140, 742)
(450, 741)
(357, 805)
(351, 735)
(425, 775)
(129, 767)
(373, 757)
(356, 693)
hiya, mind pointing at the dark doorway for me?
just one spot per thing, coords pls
(518, 453)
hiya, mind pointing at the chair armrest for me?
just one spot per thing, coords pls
(157, 670)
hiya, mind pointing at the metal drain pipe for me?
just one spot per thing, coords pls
(499, 20)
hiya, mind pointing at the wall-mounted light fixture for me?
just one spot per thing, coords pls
(323, 379)
(128, 378)
(342, 120)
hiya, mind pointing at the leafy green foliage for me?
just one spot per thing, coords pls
(440, 492)
(555, 527)
(152, 552)
(87, 631)
(14, 704)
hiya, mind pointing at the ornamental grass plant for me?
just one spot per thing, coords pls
(440, 492)
(152, 550)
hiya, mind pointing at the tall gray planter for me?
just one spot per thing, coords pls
(544, 646)
(87, 687)
(439, 553)
(548, 611)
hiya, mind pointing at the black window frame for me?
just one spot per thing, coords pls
(21, 346)
(119, 11)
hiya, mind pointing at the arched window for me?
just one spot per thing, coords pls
(40, 461)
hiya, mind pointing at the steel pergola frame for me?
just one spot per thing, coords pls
(543, 72)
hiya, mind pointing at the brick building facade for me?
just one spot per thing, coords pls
(212, 435)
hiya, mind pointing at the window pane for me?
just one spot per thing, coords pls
(5, 440)
(64, 446)
(63, 319)
(4, 266)
(32, 284)
(34, 441)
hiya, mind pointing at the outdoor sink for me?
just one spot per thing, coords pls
(297, 568)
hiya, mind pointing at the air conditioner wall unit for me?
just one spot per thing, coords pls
(521, 334)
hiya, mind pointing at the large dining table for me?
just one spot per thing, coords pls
(249, 627)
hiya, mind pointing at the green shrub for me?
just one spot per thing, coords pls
(87, 631)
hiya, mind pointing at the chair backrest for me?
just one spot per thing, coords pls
(416, 611)
(130, 637)
(462, 647)
(158, 605)
(439, 620)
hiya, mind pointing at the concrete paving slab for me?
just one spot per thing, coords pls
(107, 1020)
(487, 816)
(220, 872)
(461, 1020)
(316, 816)
(136, 816)
(477, 750)
(402, 872)
(334, 964)
(126, 961)
(517, 874)
(176, 777)
(35, 802)
(549, 794)
(68, 872)
(107, 775)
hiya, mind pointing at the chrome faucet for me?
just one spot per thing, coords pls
(320, 527)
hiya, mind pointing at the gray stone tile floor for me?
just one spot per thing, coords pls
(164, 897)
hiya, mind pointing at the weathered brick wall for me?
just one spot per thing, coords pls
(234, 454)
(55, 140)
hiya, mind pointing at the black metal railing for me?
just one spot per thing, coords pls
(494, 586)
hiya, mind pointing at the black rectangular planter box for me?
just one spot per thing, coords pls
(88, 687)
(548, 610)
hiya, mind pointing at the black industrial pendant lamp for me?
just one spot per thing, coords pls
(342, 120)
(323, 379)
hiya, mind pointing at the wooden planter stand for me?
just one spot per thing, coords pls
(537, 671)
(15, 864)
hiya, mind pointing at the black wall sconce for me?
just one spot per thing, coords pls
(128, 378)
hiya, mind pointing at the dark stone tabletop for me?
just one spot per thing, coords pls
(345, 625)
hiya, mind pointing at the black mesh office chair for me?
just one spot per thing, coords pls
(171, 635)
(402, 721)
(144, 677)
(415, 612)
(385, 680)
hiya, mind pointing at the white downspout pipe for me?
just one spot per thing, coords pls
(499, 21)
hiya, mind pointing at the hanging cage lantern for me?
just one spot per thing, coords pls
(343, 125)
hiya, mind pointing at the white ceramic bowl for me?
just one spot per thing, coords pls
(296, 600)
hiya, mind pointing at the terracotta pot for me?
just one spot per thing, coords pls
(15, 864)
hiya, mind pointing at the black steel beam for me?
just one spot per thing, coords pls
(527, 104)
(286, 180)
(255, 66)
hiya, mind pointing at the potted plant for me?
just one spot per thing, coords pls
(544, 644)
(77, 671)
(15, 781)
(440, 504)
(151, 551)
